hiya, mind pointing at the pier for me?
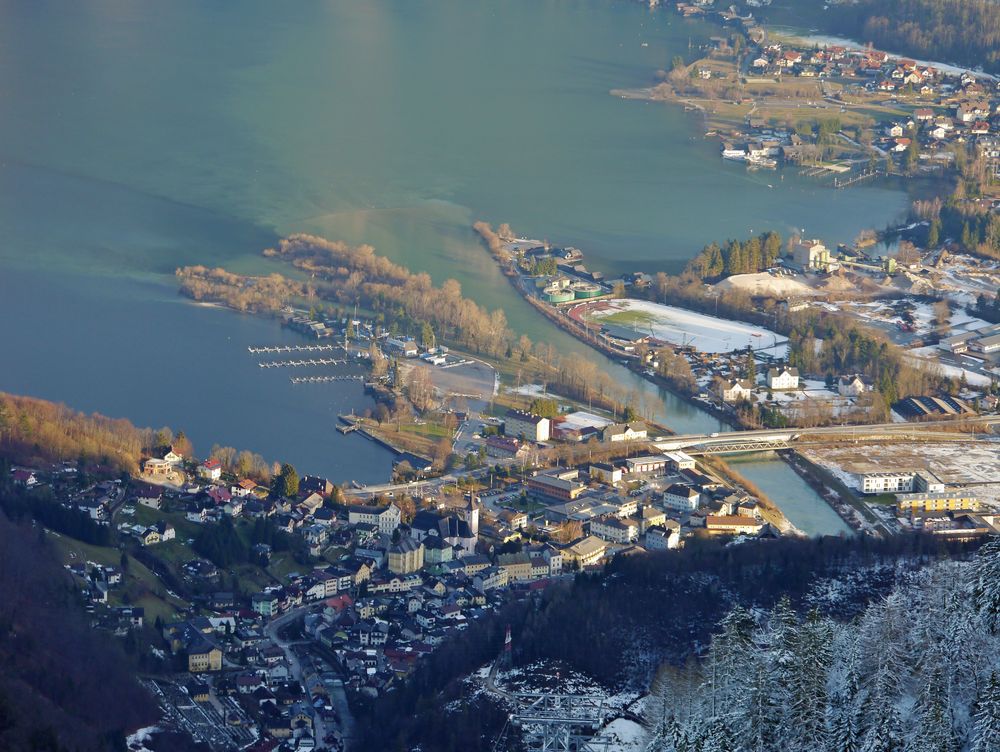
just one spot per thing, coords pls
(865, 175)
(292, 348)
(325, 379)
(299, 363)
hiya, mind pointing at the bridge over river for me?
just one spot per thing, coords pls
(739, 442)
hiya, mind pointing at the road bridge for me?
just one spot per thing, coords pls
(737, 442)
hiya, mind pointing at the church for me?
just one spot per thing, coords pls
(459, 529)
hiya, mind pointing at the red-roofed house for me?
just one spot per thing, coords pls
(210, 469)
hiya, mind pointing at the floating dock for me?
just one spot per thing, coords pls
(300, 363)
(324, 379)
(292, 348)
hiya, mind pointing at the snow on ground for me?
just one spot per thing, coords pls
(623, 735)
(764, 283)
(553, 676)
(955, 463)
(137, 741)
(583, 419)
(919, 357)
(682, 327)
(963, 321)
(530, 390)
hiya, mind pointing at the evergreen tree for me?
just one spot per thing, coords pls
(761, 712)
(986, 587)
(934, 728)
(986, 735)
(813, 658)
(286, 482)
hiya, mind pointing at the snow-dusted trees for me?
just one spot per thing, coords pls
(986, 591)
(917, 671)
(986, 735)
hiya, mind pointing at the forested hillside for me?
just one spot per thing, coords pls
(966, 32)
(620, 627)
(917, 671)
(63, 686)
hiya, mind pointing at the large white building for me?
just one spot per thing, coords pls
(678, 461)
(518, 424)
(735, 390)
(615, 529)
(902, 481)
(783, 378)
(681, 497)
(663, 538)
(889, 482)
(811, 255)
(386, 519)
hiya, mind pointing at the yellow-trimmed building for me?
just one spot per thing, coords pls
(936, 502)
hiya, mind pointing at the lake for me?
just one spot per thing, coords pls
(139, 136)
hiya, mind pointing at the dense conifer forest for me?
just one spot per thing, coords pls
(645, 612)
(963, 32)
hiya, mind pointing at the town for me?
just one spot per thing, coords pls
(272, 608)
(857, 113)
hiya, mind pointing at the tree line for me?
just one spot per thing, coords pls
(755, 254)
(961, 31)
(916, 671)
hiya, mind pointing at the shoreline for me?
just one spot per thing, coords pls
(570, 326)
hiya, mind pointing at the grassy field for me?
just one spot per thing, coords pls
(141, 586)
(630, 319)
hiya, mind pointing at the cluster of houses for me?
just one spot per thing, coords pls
(643, 503)
(956, 108)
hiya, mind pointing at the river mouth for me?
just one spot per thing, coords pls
(139, 140)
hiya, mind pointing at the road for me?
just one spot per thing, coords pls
(416, 488)
(320, 729)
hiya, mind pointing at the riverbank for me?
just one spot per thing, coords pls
(840, 498)
(770, 511)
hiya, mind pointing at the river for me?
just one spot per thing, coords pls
(139, 136)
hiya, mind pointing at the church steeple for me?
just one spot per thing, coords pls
(472, 514)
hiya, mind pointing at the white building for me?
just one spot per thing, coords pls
(386, 519)
(682, 498)
(678, 461)
(735, 390)
(615, 529)
(650, 464)
(663, 538)
(877, 483)
(811, 255)
(851, 385)
(518, 424)
(605, 473)
(634, 431)
(210, 469)
(783, 378)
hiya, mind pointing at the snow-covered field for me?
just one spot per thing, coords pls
(682, 327)
(928, 356)
(623, 735)
(955, 463)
